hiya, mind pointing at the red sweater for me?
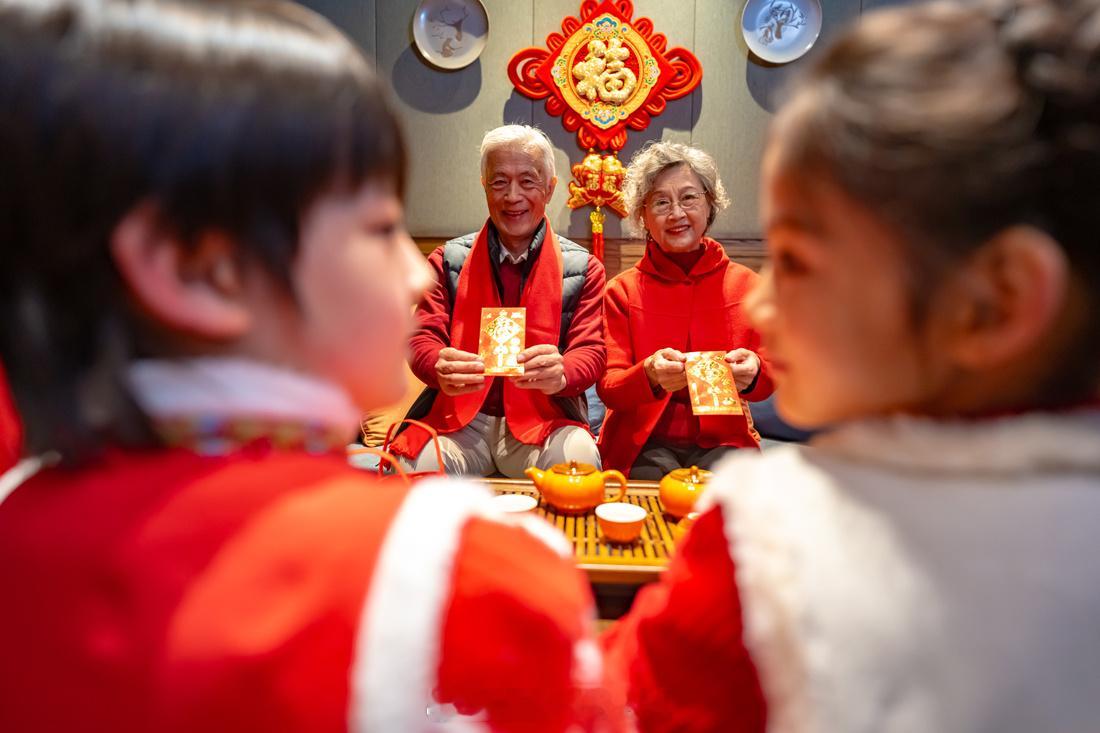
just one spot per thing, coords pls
(163, 590)
(655, 305)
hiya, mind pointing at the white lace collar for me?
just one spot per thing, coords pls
(231, 388)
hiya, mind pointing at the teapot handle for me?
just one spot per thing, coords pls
(617, 476)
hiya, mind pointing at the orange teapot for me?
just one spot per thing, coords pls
(681, 488)
(574, 488)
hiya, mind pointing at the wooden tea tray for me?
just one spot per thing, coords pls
(634, 564)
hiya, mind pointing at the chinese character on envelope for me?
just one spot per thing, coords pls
(503, 332)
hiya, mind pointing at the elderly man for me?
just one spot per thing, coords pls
(506, 424)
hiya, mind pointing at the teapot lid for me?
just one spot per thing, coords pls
(573, 468)
(693, 475)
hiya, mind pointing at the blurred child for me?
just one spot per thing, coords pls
(930, 194)
(204, 278)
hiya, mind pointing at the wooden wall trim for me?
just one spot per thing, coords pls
(621, 254)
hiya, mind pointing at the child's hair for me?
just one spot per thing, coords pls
(956, 121)
(227, 116)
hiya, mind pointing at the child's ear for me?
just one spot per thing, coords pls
(196, 289)
(1012, 295)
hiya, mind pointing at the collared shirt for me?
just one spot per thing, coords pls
(507, 256)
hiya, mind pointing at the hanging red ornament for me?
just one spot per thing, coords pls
(603, 74)
(598, 181)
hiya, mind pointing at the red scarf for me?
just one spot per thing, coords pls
(531, 415)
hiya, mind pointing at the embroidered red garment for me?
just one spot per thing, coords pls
(654, 650)
(163, 590)
(655, 305)
(531, 415)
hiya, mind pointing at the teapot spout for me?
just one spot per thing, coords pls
(535, 474)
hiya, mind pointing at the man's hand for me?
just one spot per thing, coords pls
(459, 372)
(665, 369)
(745, 365)
(543, 369)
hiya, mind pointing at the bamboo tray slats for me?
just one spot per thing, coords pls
(638, 562)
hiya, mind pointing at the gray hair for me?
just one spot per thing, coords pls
(654, 159)
(530, 140)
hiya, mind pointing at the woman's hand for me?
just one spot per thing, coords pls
(665, 369)
(745, 365)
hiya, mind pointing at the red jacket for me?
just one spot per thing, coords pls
(163, 590)
(655, 305)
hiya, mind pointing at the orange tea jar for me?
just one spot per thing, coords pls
(681, 488)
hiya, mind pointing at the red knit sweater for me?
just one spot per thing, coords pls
(655, 305)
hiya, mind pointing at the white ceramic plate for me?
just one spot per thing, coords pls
(515, 503)
(450, 34)
(781, 30)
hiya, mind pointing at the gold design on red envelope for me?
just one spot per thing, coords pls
(711, 385)
(503, 332)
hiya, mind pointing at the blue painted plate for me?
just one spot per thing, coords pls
(780, 31)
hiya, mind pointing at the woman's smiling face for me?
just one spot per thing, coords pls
(678, 229)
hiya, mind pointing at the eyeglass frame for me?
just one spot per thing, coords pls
(678, 202)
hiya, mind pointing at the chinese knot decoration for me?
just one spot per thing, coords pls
(603, 74)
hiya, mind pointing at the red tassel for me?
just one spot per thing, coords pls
(597, 217)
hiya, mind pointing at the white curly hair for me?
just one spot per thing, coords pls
(654, 159)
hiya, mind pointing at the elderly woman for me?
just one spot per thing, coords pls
(684, 295)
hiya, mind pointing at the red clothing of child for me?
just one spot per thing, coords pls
(655, 305)
(280, 590)
(696, 607)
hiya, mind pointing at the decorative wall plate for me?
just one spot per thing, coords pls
(450, 34)
(780, 31)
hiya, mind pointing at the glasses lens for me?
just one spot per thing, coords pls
(663, 206)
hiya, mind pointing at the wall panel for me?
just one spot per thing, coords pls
(446, 112)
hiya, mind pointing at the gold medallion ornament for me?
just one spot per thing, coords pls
(605, 72)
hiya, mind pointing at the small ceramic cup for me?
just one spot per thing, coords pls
(620, 521)
(515, 503)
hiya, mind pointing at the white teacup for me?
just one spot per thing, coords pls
(620, 521)
(515, 503)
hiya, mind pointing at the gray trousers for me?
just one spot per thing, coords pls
(486, 446)
(657, 459)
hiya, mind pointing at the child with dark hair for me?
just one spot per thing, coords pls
(930, 193)
(204, 279)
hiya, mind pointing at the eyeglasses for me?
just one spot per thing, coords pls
(662, 205)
